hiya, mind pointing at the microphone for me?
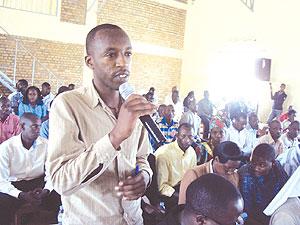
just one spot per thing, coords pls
(125, 91)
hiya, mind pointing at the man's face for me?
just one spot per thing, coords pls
(161, 110)
(240, 123)
(21, 87)
(260, 166)
(216, 134)
(45, 90)
(184, 138)
(192, 105)
(292, 117)
(32, 95)
(31, 128)
(229, 167)
(169, 112)
(110, 58)
(282, 87)
(5, 108)
(275, 130)
(253, 121)
(294, 130)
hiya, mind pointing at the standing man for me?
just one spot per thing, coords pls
(278, 98)
(97, 147)
(205, 111)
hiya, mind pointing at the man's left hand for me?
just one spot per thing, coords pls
(133, 188)
(40, 193)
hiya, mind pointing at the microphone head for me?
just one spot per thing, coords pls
(126, 90)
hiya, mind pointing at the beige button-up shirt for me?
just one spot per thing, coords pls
(278, 145)
(84, 166)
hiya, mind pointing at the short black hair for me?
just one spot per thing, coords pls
(239, 115)
(62, 89)
(210, 195)
(185, 125)
(91, 35)
(23, 81)
(46, 84)
(291, 112)
(294, 122)
(274, 121)
(39, 99)
(252, 114)
(4, 99)
(228, 150)
(28, 116)
(264, 151)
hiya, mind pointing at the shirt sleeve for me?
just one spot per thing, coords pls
(72, 164)
(246, 190)
(21, 109)
(143, 151)
(187, 179)
(162, 169)
(6, 186)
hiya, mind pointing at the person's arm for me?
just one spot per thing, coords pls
(162, 169)
(271, 91)
(21, 109)
(187, 179)
(6, 186)
(72, 164)
(246, 189)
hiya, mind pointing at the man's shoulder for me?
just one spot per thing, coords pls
(9, 143)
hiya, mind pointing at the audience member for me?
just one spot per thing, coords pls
(172, 161)
(238, 134)
(205, 150)
(278, 98)
(260, 181)
(33, 103)
(9, 123)
(210, 200)
(186, 101)
(290, 138)
(273, 137)
(17, 97)
(96, 142)
(22, 163)
(191, 117)
(205, 111)
(178, 106)
(284, 116)
(167, 126)
(226, 160)
(291, 117)
(159, 114)
(47, 95)
(71, 87)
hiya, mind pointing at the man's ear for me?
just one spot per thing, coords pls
(89, 61)
(22, 126)
(200, 220)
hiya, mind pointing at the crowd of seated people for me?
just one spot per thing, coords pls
(204, 156)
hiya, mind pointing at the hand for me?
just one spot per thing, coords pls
(29, 197)
(240, 220)
(133, 188)
(134, 107)
(262, 132)
(40, 193)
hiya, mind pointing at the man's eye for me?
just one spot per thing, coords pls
(110, 54)
(128, 53)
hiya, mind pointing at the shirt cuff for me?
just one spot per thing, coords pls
(15, 193)
(105, 151)
(167, 191)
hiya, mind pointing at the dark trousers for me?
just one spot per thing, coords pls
(205, 121)
(171, 202)
(9, 204)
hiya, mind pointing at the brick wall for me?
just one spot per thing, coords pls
(159, 72)
(64, 60)
(154, 23)
(146, 21)
(73, 11)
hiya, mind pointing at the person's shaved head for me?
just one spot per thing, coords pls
(92, 35)
(264, 151)
(3, 99)
(28, 117)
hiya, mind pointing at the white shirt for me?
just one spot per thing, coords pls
(193, 119)
(18, 163)
(178, 107)
(47, 100)
(288, 143)
(251, 139)
(238, 137)
(290, 159)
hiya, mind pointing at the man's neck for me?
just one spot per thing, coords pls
(27, 143)
(3, 117)
(109, 96)
(289, 136)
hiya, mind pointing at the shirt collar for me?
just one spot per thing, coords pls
(93, 96)
(37, 142)
(211, 170)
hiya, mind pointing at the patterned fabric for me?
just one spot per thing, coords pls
(203, 151)
(258, 192)
(216, 121)
(10, 127)
(168, 130)
(15, 98)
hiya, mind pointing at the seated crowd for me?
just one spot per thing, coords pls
(222, 168)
